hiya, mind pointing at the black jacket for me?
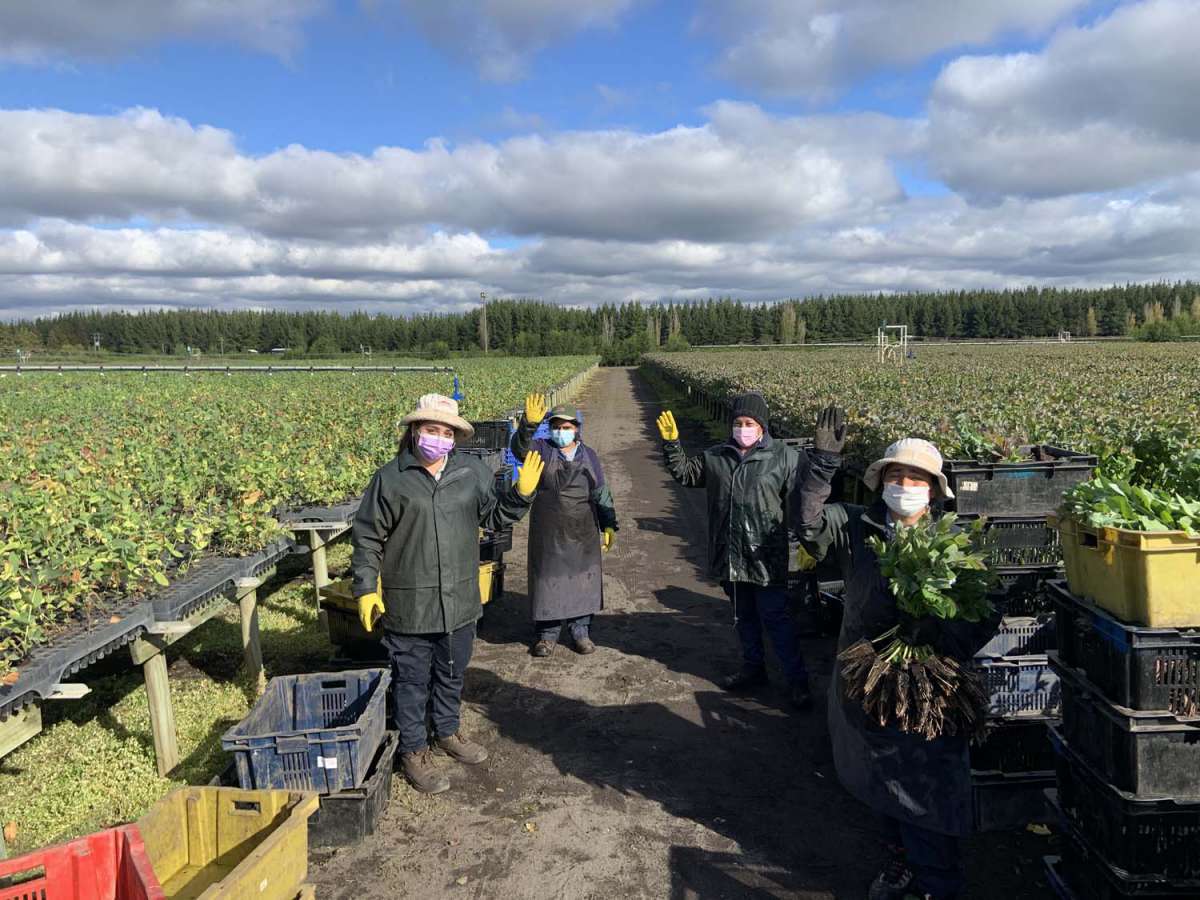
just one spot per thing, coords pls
(421, 537)
(748, 501)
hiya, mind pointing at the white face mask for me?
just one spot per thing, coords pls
(905, 501)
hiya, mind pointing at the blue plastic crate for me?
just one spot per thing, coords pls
(1021, 636)
(316, 732)
(1020, 686)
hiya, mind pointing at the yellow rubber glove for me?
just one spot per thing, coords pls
(531, 474)
(535, 408)
(370, 608)
(667, 427)
(804, 562)
(607, 538)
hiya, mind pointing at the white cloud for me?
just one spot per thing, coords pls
(499, 37)
(812, 48)
(1100, 108)
(741, 174)
(52, 30)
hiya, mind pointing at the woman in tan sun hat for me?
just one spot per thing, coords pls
(416, 566)
(921, 788)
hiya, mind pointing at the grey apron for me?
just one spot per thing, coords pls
(564, 542)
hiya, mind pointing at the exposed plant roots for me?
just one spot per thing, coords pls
(914, 689)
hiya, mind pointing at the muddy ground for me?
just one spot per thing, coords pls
(628, 773)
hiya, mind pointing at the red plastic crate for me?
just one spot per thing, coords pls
(107, 865)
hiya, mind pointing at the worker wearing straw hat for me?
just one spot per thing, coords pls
(921, 787)
(416, 568)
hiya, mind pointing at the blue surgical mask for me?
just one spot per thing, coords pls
(562, 436)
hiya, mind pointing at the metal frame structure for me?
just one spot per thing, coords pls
(891, 343)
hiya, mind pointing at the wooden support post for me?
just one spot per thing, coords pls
(317, 542)
(19, 727)
(247, 590)
(162, 713)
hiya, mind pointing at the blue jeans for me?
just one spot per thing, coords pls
(549, 631)
(756, 607)
(935, 859)
(427, 675)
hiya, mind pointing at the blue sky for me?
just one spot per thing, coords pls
(599, 151)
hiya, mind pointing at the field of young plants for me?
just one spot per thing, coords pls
(971, 400)
(109, 483)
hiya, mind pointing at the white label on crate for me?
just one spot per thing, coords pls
(327, 762)
(968, 485)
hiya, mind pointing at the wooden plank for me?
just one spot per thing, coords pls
(19, 727)
(176, 628)
(66, 691)
(251, 643)
(320, 566)
(162, 713)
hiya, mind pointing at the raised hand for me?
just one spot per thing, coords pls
(831, 430)
(535, 408)
(667, 427)
(531, 474)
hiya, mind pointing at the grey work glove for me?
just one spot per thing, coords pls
(831, 430)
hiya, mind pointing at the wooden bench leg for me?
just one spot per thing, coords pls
(162, 713)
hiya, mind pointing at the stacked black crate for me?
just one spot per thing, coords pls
(1014, 764)
(1128, 755)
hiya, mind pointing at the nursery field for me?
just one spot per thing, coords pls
(973, 401)
(110, 483)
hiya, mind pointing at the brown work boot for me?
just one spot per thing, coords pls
(584, 645)
(542, 649)
(463, 750)
(422, 773)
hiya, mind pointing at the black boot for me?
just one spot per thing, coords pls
(745, 680)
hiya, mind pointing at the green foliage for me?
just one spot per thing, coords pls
(112, 484)
(676, 343)
(1096, 399)
(935, 569)
(1107, 502)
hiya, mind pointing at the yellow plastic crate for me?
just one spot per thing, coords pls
(212, 843)
(1141, 577)
(487, 578)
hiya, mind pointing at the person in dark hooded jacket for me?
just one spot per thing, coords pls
(921, 788)
(749, 479)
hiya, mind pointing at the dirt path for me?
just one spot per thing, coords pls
(628, 773)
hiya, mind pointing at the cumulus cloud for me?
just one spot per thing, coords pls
(812, 48)
(498, 37)
(1100, 108)
(741, 174)
(51, 30)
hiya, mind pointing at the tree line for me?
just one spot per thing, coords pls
(532, 328)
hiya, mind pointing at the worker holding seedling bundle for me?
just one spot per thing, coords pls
(416, 567)
(573, 519)
(903, 701)
(749, 479)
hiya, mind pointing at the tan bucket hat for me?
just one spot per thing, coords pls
(915, 452)
(441, 409)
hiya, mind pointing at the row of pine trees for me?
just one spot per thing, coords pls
(531, 328)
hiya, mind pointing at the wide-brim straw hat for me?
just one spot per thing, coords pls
(443, 410)
(913, 452)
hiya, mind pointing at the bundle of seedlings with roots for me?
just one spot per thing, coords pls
(934, 570)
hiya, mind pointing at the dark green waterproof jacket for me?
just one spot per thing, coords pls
(748, 500)
(420, 535)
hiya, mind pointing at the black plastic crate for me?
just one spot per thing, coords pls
(492, 434)
(1003, 802)
(1028, 488)
(345, 818)
(1020, 686)
(351, 640)
(206, 581)
(1135, 666)
(1022, 590)
(1154, 837)
(494, 544)
(1014, 747)
(1151, 754)
(1021, 636)
(1081, 873)
(1021, 541)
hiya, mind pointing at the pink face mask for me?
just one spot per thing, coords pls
(434, 447)
(745, 437)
